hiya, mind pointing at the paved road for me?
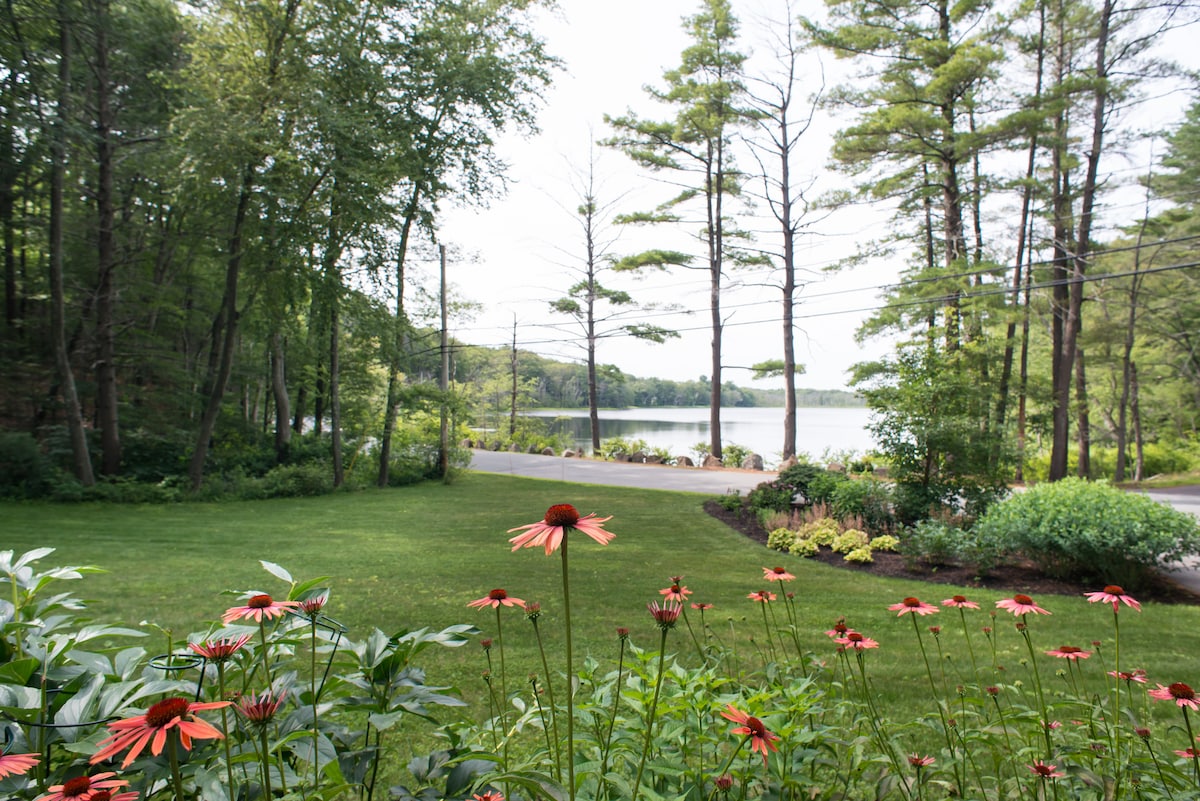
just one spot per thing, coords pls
(619, 474)
(720, 482)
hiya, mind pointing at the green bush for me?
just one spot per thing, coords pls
(860, 555)
(934, 542)
(1161, 458)
(297, 481)
(866, 498)
(1092, 531)
(732, 454)
(823, 485)
(822, 532)
(23, 471)
(781, 539)
(803, 547)
(849, 540)
(770, 496)
(885, 542)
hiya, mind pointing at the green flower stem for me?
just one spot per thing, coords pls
(266, 761)
(566, 581)
(312, 688)
(699, 650)
(173, 758)
(266, 657)
(1187, 722)
(1037, 684)
(225, 726)
(767, 630)
(612, 719)
(662, 653)
(962, 616)
(1116, 717)
(557, 751)
(503, 688)
(725, 768)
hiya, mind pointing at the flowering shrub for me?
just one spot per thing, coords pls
(278, 700)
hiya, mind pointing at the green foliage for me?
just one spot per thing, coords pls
(934, 542)
(1161, 458)
(1093, 530)
(23, 472)
(823, 485)
(865, 498)
(732, 501)
(860, 555)
(849, 540)
(781, 539)
(823, 531)
(733, 454)
(885, 542)
(770, 496)
(804, 547)
(611, 447)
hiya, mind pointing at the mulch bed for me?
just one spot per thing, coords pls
(1023, 577)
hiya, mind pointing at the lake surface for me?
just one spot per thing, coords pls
(820, 432)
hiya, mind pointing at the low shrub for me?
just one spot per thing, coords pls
(771, 496)
(298, 481)
(23, 471)
(885, 542)
(803, 547)
(822, 532)
(860, 555)
(934, 542)
(823, 486)
(849, 540)
(1091, 530)
(781, 539)
(866, 498)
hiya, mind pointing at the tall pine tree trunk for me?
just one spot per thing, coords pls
(58, 170)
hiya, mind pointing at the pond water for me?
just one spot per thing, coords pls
(821, 432)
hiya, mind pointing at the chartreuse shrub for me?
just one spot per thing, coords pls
(1090, 530)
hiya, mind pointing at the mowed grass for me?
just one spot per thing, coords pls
(414, 557)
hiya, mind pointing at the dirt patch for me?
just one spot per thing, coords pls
(1023, 577)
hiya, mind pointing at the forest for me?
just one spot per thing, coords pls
(210, 215)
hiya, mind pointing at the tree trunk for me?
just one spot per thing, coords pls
(8, 196)
(512, 395)
(715, 244)
(72, 411)
(1135, 411)
(335, 389)
(392, 403)
(1084, 432)
(106, 369)
(279, 390)
(216, 382)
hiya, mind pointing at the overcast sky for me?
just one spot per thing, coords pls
(524, 244)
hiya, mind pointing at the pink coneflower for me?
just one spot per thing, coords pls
(665, 615)
(856, 641)
(702, 607)
(622, 633)
(723, 782)
(151, 729)
(1069, 652)
(912, 606)
(486, 643)
(918, 761)
(1180, 693)
(1188, 753)
(259, 709)
(1115, 595)
(761, 739)
(220, 650)
(257, 608)
(777, 574)
(85, 788)
(490, 795)
(960, 602)
(496, 598)
(676, 593)
(761, 596)
(1021, 605)
(840, 629)
(1127, 676)
(1045, 771)
(16, 764)
(311, 607)
(560, 519)
(1053, 725)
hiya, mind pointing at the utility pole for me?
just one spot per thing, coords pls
(444, 384)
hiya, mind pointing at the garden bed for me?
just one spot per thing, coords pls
(1019, 577)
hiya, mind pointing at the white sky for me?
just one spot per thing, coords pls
(524, 243)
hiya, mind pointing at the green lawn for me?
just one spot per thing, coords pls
(414, 557)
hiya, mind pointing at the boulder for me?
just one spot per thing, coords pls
(466, 443)
(568, 454)
(791, 461)
(620, 457)
(654, 458)
(752, 462)
(711, 461)
(547, 451)
(495, 446)
(638, 456)
(514, 448)
(684, 461)
(836, 467)
(534, 449)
